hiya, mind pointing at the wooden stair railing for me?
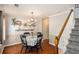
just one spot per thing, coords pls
(57, 38)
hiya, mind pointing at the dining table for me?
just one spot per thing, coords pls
(31, 40)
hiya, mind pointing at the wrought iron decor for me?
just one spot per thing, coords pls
(25, 25)
(16, 22)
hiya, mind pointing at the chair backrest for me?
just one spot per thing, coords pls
(39, 37)
(26, 33)
(23, 39)
(39, 33)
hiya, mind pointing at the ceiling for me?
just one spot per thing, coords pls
(40, 10)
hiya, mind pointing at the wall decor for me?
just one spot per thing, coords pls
(24, 24)
(16, 22)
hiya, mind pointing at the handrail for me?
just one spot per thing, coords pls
(64, 25)
(57, 38)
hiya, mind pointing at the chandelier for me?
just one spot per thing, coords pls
(32, 19)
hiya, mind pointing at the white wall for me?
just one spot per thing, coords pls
(1, 7)
(39, 25)
(55, 24)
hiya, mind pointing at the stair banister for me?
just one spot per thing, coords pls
(57, 38)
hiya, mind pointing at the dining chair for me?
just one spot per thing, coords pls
(39, 33)
(39, 40)
(26, 33)
(24, 44)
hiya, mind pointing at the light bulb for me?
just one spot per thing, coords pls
(28, 20)
(32, 19)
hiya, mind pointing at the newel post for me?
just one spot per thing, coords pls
(56, 42)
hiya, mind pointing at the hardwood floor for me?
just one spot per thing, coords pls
(16, 49)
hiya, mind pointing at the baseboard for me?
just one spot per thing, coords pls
(12, 44)
(51, 44)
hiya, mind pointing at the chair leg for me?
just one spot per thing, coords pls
(41, 47)
(30, 48)
(37, 49)
(21, 49)
(25, 49)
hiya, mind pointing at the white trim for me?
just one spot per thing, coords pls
(51, 44)
(61, 12)
(12, 44)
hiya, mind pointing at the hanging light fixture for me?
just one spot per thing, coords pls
(32, 19)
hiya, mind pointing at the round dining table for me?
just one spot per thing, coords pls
(31, 40)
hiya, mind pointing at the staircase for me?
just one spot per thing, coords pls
(73, 45)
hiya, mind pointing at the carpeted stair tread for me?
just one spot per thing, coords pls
(76, 19)
(76, 39)
(72, 46)
(74, 34)
(71, 51)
